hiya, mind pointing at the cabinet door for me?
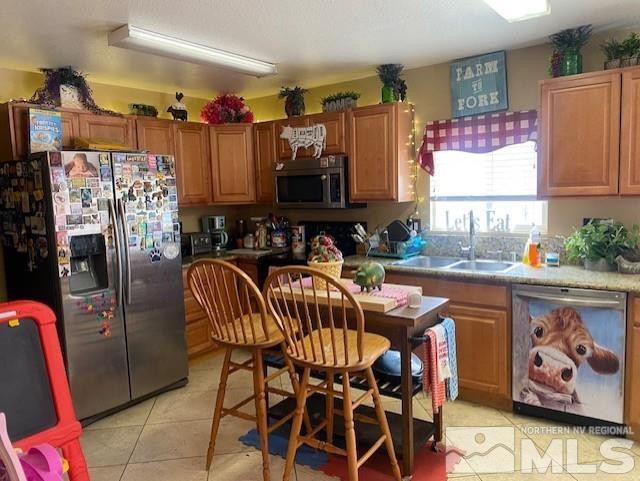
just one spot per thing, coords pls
(232, 164)
(630, 134)
(70, 129)
(578, 149)
(155, 136)
(484, 362)
(192, 163)
(264, 150)
(284, 151)
(19, 131)
(335, 123)
(372, 156)
(108, 127)
(632, 374)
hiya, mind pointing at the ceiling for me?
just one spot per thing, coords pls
(313, 42)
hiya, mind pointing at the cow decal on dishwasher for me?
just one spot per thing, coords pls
(560, 344)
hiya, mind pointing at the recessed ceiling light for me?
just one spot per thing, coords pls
(518, 10)
(136, 38)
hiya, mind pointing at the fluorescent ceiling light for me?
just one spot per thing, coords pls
(136, 38)
(517, 10)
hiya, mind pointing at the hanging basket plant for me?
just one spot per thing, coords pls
(226, 109)
(65, 83)
(293, 100)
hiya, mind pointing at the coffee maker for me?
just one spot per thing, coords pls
(215, 226)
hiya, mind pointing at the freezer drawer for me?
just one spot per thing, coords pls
(569, 351)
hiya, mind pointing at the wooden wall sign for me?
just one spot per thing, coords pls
(479, 84)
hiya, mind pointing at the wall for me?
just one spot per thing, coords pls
(428, 90)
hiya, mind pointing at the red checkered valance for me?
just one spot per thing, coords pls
(477, 134)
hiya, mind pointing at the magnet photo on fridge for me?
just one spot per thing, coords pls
(569, 359)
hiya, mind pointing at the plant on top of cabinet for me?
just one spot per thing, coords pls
(294, 100)
(63, 85)
(598, 243)
(566, 45)
(393, 87)
(340, 101)
(621, 54)
(143, 110)
(226, 109)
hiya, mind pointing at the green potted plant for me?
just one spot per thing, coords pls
(630, 50)
(598, 243)
(389, 74)
(568, 43)
(340, 101)
(294, 100)
(613, 53)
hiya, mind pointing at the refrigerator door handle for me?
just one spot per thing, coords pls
(127, 257)
(574, 301)
(117, 240)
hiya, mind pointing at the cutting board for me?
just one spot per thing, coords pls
(368, 301)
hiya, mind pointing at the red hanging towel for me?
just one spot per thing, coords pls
(430, 382)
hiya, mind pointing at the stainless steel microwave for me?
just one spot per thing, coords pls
(312, 183)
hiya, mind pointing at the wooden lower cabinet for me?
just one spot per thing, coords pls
(482, 313)
(250, 267)
(632, 381)
(198, 332)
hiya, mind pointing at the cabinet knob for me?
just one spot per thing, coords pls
(323, 177)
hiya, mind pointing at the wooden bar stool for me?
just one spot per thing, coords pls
(326, 344)
(239, 319)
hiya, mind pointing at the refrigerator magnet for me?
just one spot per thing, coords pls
(64, 270)
(155, 255)
(171, 250)
(133, 240)
(103, 159)
(148, 244)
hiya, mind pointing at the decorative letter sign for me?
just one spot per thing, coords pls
(479, 84)
(315, 135)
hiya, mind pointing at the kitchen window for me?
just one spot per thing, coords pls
(500, 187)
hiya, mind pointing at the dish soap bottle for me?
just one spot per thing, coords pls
(531, 254)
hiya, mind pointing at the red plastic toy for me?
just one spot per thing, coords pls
(65, 435)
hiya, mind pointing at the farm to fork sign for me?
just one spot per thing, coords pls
(479, 84)
(315, 135)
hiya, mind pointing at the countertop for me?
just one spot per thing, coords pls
(235, 254)
(563, 276)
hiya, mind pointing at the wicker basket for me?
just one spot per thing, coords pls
(334, 269)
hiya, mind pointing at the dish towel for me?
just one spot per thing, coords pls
(449, 326)
(430, 381)
(444, 371)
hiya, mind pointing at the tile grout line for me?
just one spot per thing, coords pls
(138, 438)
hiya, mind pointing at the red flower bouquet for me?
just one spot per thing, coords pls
(226, 108)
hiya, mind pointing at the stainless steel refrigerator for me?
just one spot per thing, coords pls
(96, 236)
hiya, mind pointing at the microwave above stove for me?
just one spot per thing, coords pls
(312, 183)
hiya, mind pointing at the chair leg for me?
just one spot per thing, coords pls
(217, 413)
(384, 424)
(349, 430)
(296, 424)
(261, 410)
(329, 405)
(296, 389)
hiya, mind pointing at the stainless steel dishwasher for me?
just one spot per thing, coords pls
(568, 354)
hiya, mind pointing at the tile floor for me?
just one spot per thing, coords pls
(166, 438)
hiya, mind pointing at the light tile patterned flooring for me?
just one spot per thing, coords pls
(166, 438)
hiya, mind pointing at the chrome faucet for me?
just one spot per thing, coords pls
(470, 251)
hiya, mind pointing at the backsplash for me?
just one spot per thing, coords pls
(488, 245)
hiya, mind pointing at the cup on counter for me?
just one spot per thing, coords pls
(414, 300)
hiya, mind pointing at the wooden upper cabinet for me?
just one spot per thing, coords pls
(232, 163)
(379, 153)
(108, 127)
(336, 125)
(192, 163)
(630, 133)
(579, 135)
(264, 151)
(70, 129)
(284, 151)
(155, 135)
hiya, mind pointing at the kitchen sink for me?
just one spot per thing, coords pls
(429, 261)
(483, 265)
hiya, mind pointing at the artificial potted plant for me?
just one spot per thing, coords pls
(294, 100)
(568, 43)
(325, 256)
(340, 101)
(598, 243)
(389, 74)
(226, 109)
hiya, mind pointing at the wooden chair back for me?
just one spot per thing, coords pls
(233, 303)
(302, 309)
